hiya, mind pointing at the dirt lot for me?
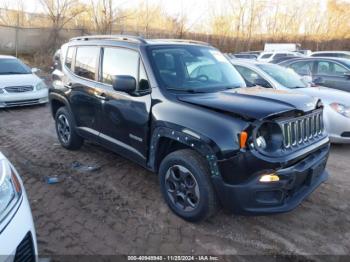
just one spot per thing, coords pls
(119, 210)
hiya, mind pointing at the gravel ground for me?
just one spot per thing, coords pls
(118, 209)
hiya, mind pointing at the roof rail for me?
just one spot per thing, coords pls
(129, 38)
(182, 41)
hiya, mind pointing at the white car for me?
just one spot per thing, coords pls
(19, 86)
(270, 56)
(341, 54)
(336, 103)
(17, 233)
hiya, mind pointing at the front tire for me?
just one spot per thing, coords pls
(184, 178)
(65, 129)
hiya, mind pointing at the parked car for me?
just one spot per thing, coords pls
(257, 53)
(244, 56)
(340, 54)
(336, 103)
(17, 233)
(278, 60)
(210, 139)
(270, 56)
(329, 72)
(305, 52)
(275, 47)
(19, 85)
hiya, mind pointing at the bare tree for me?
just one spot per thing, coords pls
(60, 13)
(105, 13)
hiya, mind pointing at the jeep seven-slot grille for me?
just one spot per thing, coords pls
(302, 130)
(19, 89)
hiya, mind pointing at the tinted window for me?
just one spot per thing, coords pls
(249, 75)
(266, 56)
(194, 68)
(330, 68)
(69, 57)
(9, 66)
(86, 60)
(118, 61)
(302, 68)
(280, 55)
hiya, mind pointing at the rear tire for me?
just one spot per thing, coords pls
(185, 183)
(65, 129)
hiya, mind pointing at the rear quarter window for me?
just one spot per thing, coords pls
(69, 57)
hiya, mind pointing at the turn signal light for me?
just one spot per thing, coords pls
(243, 139)
(269, 178)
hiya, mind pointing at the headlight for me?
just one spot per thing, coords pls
(40, 85)
(341, 109)
(10, 188)
(269, 138)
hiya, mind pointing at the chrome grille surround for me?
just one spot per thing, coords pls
(19, 89)
(302, 130)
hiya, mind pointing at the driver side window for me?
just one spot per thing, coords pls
(250, 77)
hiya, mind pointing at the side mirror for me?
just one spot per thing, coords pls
(319, 81)
(262, 82)
(124, 83)
(306, 79)
(35, 70)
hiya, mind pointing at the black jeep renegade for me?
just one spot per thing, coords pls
(179, 109)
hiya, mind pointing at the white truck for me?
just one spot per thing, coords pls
(273, 47)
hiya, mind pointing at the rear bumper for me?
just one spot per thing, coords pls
(296, 183)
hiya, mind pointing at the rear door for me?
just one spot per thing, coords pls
(332, 74)
(83, 95)
(125, 118)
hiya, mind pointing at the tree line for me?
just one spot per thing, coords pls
(232, 25)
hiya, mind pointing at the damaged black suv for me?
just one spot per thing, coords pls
(180, 109)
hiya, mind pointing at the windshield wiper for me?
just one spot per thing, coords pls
(187, 90)
(13, 73)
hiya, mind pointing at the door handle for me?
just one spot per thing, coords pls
(69, 85)
(100, 96)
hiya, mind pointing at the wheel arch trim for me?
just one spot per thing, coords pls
(191, 139)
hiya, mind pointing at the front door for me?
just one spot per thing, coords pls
(124, 123)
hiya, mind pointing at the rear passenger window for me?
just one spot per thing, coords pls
(86, 61)
(69, 57)
(118, 61)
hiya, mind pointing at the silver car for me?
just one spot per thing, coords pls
(336, 102)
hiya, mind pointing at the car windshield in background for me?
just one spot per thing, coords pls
(9, 66)
(194, 69)
(284, 76)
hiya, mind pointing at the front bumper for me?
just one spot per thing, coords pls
(17, 233)
(24, 99)
(296, 182)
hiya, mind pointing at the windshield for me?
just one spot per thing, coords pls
(194, 68)
(284, 76)
(10, 66)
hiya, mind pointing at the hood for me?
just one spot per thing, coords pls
(19, 80)
(253, 103)
(327, 95)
